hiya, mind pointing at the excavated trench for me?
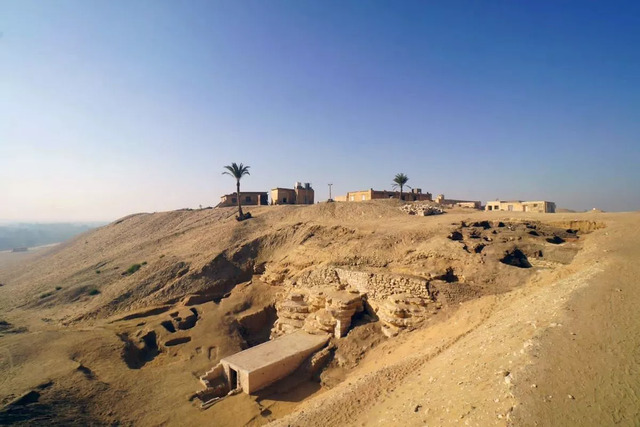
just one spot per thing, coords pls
(255, 328)
(137, 354)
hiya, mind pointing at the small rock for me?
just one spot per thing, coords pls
(571, 397)
(417, 408)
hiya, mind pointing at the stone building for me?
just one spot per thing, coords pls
(415, 194)
(248, 198)
(257, 367)
(474, 204)
(520, 206)
(299, 195)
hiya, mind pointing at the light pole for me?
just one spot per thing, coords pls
(330, 199)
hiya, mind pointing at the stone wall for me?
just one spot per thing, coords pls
(377, 286)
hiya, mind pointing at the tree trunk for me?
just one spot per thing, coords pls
(240, 214)
(401, 192)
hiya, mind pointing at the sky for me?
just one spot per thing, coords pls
(113, 107)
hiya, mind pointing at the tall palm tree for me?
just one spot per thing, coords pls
(237, 171)
(399, 181)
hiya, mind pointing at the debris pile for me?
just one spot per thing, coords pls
(421, 209)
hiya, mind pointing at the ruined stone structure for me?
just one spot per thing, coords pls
(247, 198)
(319, 310)
(414, 194)
(327, 298)
(299, 195)
(402, 311)
(520, 206)
(421, 209)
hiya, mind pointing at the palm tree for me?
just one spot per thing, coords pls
(237, 171)
(399, 181)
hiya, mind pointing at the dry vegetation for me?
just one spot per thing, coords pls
(116, 325)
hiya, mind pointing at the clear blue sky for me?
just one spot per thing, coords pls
(114, 107)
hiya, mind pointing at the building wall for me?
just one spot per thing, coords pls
(475, 204)
(251, 381)
(520, 206)
(290, 196)
(248, 198)
(267, 375)
(359, 196)
(371, 194)
(540, 206)
(283, 196)
(304, 196)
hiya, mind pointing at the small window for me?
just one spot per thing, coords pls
(234, 200)
(535, 205)
(352, 198)
(489, 208)
(247, 199)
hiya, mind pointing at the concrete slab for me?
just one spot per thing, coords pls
(266, 363)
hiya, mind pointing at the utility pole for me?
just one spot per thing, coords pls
(330, 199)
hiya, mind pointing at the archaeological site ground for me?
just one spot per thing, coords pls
(467, 317)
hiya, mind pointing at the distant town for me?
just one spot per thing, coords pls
(303, 194)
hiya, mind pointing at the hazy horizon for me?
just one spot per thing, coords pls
(114, 108)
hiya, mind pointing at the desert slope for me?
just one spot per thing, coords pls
(82, 330)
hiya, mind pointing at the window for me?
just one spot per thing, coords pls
(535, 205)
(352, 198)
(247, 199)
(284, 200)
(234, 200)
(510, 208)
(489, 207)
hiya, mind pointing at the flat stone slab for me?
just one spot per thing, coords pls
(271, 352)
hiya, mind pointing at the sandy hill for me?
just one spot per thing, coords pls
(116, 325)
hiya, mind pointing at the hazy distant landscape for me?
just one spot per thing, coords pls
(28, 235)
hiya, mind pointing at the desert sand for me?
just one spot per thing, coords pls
(548, 335)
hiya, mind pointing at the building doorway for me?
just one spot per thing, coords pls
(233, 379)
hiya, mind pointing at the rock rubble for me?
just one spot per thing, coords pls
(421, 209)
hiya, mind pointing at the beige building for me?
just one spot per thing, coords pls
(520, 206)
(300, 195)
(257, 367)
(247, 198)
(474, 204)
(415, 194)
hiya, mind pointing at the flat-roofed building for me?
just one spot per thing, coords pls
(521, 206)
(246, 198)
(299, 195)
(264, 364)
(474, 204)
(413, 195)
